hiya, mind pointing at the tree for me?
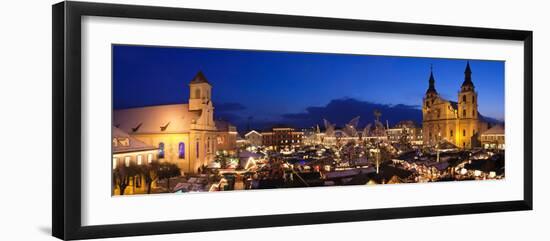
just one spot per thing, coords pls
(122, 175)
(166, 171)
(150, 174)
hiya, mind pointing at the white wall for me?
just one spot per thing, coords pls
(25, 104)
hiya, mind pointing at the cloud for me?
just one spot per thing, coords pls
(340, 111)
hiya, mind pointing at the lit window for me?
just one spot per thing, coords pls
(161, 150)
(127, 161)
(139, 159)
(115, 160)
(181, 150)
(149, 157)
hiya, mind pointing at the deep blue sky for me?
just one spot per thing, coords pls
(265, 88)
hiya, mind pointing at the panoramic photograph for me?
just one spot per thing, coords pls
(208, 120)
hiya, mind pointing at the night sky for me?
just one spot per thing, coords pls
(261, 88)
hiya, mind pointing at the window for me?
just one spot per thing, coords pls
(127, 161)
(209, 146)
(115, 160)
(464, 113)
(161, 150)
(463, 132)
(473, 98)
(463, 98)
(197, 93)
(197, 148)
(451, 133)
(473, 113)
(427, 103)
(139, 159)
(181, 150)
(149, 157)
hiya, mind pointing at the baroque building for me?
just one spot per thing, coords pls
(456, 122)
(184, 134)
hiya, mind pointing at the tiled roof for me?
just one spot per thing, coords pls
(495, 130)
(122, 142)
(158, 119)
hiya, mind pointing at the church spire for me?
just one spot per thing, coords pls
(431, 88)
(467, 84)
(199, 78)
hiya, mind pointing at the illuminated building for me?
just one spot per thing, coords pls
(493, 138)
(405, 131)
(456, 122)
(253, 138)
(227, 136)
(184, 134)
(127, 151)
(282, 137)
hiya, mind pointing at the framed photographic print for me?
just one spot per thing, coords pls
(170, 120)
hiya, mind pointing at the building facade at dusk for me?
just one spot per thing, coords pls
(226, 139)
(282, 137)
(127, 151)
(493, 138)
(405, 131)
(456, 122)
(253, 138)
(184, 134)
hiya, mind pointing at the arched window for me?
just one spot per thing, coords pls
(473, 113)
(161, 150)
(451, 133)
(197, 93)
(463, 132)
(181, 150)
(473, 98)
(209, 146)
(464, 113)
(463, 98)
(197, 148)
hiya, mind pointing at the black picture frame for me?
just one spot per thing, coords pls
(66, 159)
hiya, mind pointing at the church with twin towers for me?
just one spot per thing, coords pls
(457, 122)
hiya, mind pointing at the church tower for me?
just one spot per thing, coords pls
(200, 99)
(467, 111)
(200, 92)
(429, 116)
